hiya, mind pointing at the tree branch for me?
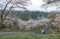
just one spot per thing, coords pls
(8, 12)
(4, 10)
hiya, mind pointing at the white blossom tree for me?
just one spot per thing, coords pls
(9, 5)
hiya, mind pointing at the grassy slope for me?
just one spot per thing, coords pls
(30, 36)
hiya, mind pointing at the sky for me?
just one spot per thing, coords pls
(36, 6)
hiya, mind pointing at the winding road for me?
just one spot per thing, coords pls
(43, 31)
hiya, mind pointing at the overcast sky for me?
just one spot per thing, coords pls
(36, 6)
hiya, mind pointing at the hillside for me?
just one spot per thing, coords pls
(26, 15)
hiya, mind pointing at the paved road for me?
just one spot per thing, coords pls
(43, 31)
(2, 33)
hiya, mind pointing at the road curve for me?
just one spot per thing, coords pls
(43, 31)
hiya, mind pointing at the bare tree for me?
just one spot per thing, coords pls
(14, 4)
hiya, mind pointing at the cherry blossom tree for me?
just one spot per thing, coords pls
(9, 5)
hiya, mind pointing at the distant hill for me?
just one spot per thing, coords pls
(26, 15)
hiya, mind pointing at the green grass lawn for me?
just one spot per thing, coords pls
(30, 36)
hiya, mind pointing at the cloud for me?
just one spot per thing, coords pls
(36, 5)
